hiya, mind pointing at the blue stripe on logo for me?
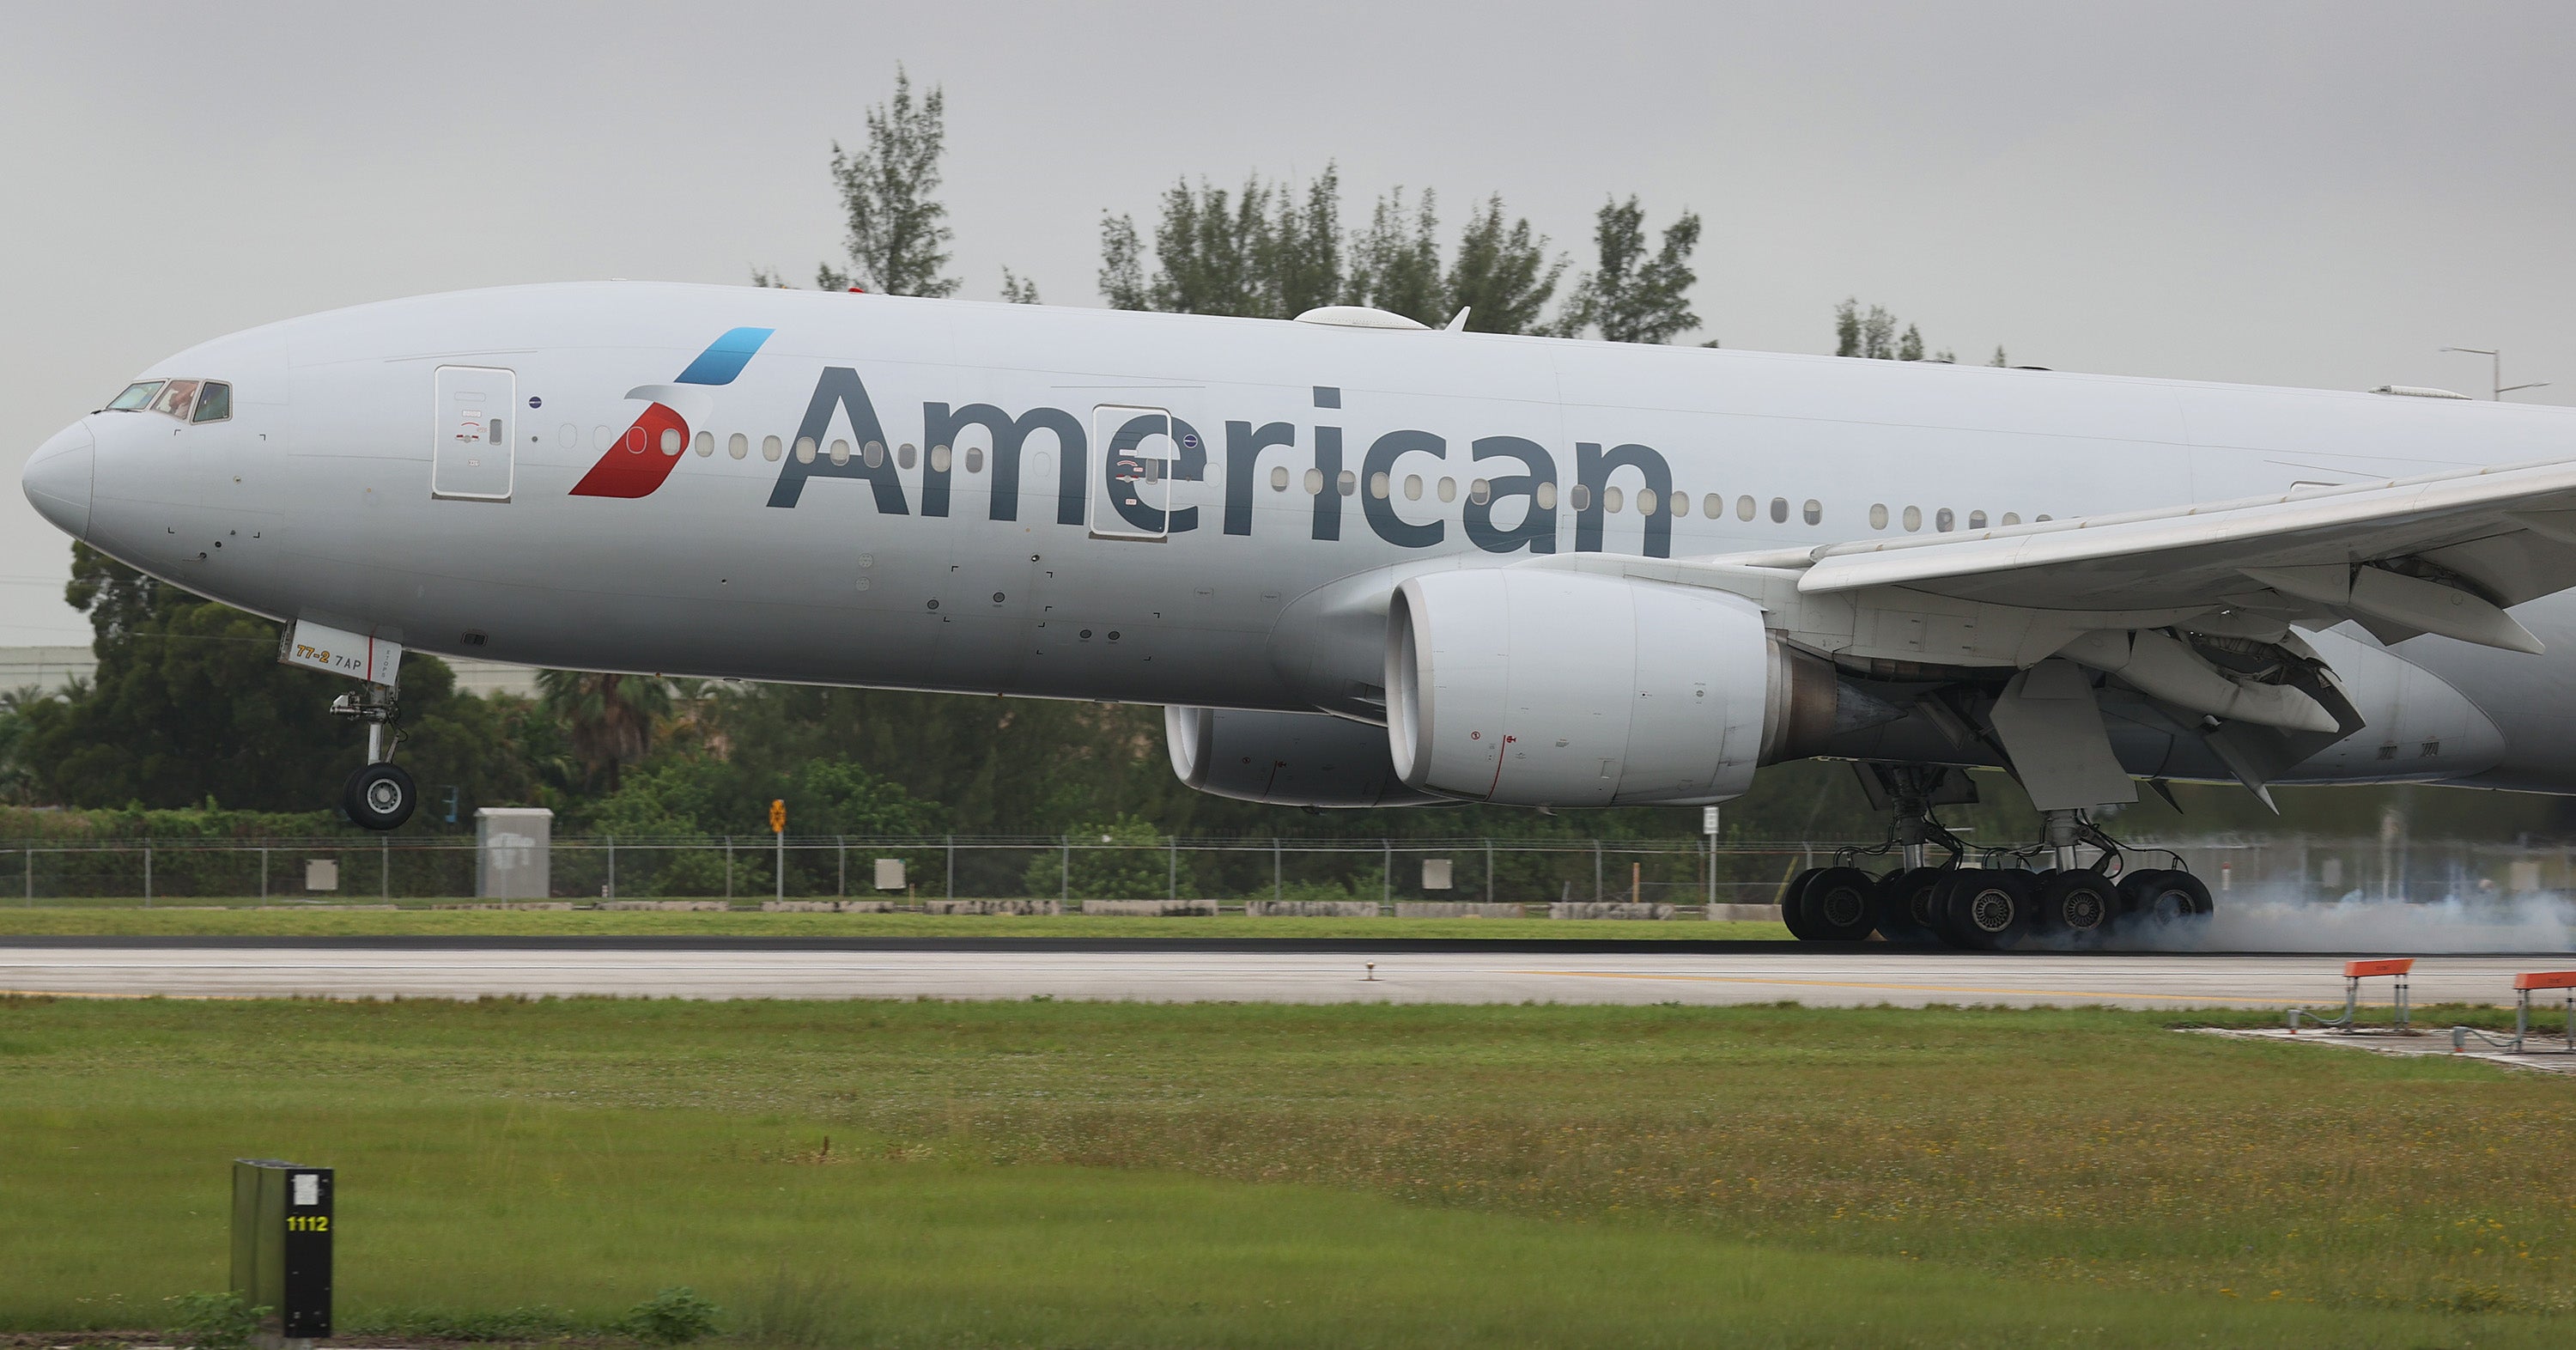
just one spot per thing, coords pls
(725, 357)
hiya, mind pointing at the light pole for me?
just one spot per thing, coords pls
(2495, 365)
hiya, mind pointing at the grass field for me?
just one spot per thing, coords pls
(130, 920)
(1129, 1175)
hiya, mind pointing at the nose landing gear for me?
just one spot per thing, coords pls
(380, 795)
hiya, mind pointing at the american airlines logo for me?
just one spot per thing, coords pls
(640, 461)
(1517, 478)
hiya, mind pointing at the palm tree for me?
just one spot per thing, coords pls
(607, 718)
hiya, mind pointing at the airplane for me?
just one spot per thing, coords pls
(1365, 562)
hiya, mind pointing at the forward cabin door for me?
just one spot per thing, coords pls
(472, 456)
(1131, 496)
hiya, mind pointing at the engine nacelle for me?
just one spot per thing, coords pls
(1536, 687)
(1284, 759)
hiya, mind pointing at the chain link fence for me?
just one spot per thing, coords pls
(746, 870)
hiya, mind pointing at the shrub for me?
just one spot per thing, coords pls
(214, 1322)
(675, 1316)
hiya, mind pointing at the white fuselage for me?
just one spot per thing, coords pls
(1254, 583)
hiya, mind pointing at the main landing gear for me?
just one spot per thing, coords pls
(380, 795)
(2046, 895)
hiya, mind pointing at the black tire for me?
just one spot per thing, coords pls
(2081, 904)
(379, 797)
(1790, 893)
(1990, 909)
(2159, 899)
(1837, 905)
(1903, 905)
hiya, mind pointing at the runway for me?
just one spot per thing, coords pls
(1248, 972)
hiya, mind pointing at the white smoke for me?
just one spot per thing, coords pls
(2286, 917)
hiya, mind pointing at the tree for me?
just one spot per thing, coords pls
(1628, 296)
(608, 719)
(1018, 290)
(1501, 275)
(897, 226)
(1873, 336)
(1395, 263)
(1999, 360)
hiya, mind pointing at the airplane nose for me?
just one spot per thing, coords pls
(57, 478)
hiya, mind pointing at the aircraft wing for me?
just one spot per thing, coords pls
(2444, 553)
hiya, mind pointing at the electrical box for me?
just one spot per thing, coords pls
(282, 1245)
(889, 874)
(1435, 874)
(513, 848)
(321, 874)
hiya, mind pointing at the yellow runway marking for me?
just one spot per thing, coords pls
(1917, 988)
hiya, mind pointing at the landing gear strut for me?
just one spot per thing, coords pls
(380, 795)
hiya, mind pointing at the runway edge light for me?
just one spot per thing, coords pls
(282, 1246)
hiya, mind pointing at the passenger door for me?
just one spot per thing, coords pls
(472, 456)
(1132, 495)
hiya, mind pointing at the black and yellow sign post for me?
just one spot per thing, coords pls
(282, 1245)
(778, 826)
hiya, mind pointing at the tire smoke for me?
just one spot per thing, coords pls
(2290, 918)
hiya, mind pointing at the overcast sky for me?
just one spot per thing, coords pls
(2312, 194)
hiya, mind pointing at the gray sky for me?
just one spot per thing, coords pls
(2315, 194)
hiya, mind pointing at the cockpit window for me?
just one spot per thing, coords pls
(137, 396)
(214, 403)
(177, 398)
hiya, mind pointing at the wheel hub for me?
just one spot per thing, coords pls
(1843, 906)
(1990, 910)
(2084, 909)
(383, 795)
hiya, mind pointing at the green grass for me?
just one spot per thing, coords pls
(1134, 1175)
(132, 920)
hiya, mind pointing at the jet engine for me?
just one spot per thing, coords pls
(1537, 687)
(1284, 758)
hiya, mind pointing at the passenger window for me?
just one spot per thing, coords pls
(1546, 496)
(1878, 515)
(975, 459)
(1448, 489)
(938, 459)
(1314, 482)
(1779, 510)
(1713, 506)
(875, 454)
(1744, 508)
(739, 445)
(1350, 483)
(137, 396)
(1581, 496)
(1413, 487)
(903, 457)
(2039, 517)
(1681, 504)
(770, 446)
(1913, 519)
(1377, 486)
(1813, 512)
(1279, 478)
(706, 444)
(1480, 492)
(216, 404)
(1976, 520)
(2012, 518)
(804, 449)
(1610, 497)
(1943, 520)
(841, 452)
(670, 437)
(1648, 501)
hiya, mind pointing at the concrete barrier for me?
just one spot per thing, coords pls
(1312, 909)
(381, 907)
(1456, 909)
(487, 904)
(663, 904)
(827, 906)
(1745, 913)
(992, 907)
(1153, 909)
(1606, 909)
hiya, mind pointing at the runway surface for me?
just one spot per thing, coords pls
(1316, 973)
